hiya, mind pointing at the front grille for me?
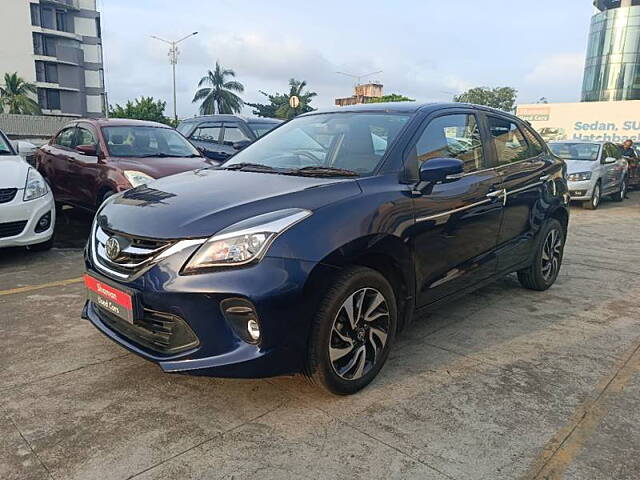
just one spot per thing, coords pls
(135, 253)
(7, 194)
(157, 331)
(11, 229)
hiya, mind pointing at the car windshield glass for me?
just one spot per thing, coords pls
(576, 151)
(259, 129)
(352, 142)
(5, 146)
(135, 141)
(184, 127)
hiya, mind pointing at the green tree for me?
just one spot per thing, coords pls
(279, 106)
(143, 108)
(216, 92)
(393, 97)
(503, 98)
(17, 96)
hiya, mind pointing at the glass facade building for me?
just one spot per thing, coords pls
(612, 67)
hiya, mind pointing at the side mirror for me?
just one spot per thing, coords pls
(609, 160)
(241, 144)
(439, 170)
(90, 150)
(24, 148)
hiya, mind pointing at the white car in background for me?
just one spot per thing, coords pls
(27, 209)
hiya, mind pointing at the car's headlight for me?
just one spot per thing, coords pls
(244, 242)
(35, 187)
(579, 177)
(137, 178)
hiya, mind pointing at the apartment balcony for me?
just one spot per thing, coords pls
(57, 33)
(49, 59)
(70, 4)
(55, 86)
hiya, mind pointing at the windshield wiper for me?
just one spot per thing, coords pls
(312, 171)
(155, 155)
(249, 167)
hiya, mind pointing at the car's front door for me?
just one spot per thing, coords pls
(233, 133)
(84, 169)
(525, 168)
(208, 138)
(456, 222)
(611, 172)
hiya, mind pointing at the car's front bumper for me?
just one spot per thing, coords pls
(30, 212)
(581, 190)
(275, 287)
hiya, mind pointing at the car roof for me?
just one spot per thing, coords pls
(119, 122)
(223, 117)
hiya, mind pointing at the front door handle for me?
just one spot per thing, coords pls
(499, 194)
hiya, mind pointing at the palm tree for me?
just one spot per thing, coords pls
(296, 89)
(217, 94)
(15, 96)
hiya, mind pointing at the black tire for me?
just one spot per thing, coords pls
(621, 194)
(41, 247)
(596, 198)
(538, 276)
(331, 326)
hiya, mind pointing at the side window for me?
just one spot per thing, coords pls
(610, 150)
(535, 147)
(207, 133)
(233, 134)
(85, 137)
(509, 141)
(452, 136)
(65, 137)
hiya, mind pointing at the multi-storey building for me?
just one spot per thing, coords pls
(57, 45)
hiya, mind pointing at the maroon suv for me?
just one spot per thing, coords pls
(89, 160)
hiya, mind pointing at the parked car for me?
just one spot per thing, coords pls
(595, 170)
(220, 136)
(90, 160)
(27, 213)
(311, 248)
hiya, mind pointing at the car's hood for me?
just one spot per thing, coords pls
(13, 171)
(577, 166)
(200, 203)
(158, 167)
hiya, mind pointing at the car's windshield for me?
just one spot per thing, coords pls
(349, 141)
(576, 151)
(5, 146)
(259, 129)
(136, 141)
(184, 127)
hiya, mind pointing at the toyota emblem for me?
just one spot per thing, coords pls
(112, 248)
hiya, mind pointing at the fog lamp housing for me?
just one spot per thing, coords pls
(43, 223)
(242, 317)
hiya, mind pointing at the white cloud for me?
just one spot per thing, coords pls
(560, 70)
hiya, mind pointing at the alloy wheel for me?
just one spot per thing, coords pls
(595, 200)
(359, 334)
(551, 255)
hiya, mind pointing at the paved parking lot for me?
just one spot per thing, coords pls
(504, 384)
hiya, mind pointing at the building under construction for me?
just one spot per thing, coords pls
(363, 92)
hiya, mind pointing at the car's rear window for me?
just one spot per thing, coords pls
(259, 129)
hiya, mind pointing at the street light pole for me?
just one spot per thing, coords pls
(173, 59)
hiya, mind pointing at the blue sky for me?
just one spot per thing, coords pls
(427, 49)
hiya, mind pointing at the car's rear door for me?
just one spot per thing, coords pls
(233, 132)
(208, 138)
(84, 170)
(611, 172)
(525, 167)
(54, 163)
(457, 222)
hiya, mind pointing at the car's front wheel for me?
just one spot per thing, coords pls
(545, 268)
(596, 196)
(352, 331)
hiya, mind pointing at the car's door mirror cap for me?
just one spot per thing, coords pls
(23, 147)
(90, 150)
(241, 144)
(610, 160)
(439, 170)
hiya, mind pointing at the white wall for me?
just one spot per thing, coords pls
(93, 78)
(92, 53)
(94, 103)
(87, 4)
(16, 42)
(86, 27)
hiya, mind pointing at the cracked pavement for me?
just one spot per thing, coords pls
(503, 384)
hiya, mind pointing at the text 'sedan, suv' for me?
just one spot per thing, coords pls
(310, 249)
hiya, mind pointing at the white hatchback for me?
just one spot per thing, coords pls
(27, 209)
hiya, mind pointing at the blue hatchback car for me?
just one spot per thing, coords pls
(311, 249)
